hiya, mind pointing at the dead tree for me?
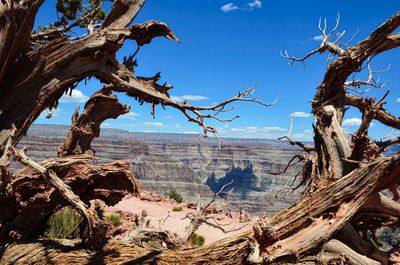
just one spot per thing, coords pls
(37, 68)
(86, 126)
(201, 216)
(343, 175)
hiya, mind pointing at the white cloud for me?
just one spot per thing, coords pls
(47, 114)
(352, 122)
(189, 97)
(130, 115)
(154, 124)
(76, 97)
(268, 132)
(318, 38)
(229, 8)
(238, 130)
(254, 4)
(397, 99)
(300, 114)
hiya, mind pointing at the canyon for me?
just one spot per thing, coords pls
(164, 162)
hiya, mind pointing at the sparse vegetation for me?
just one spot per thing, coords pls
(115, 219)
(176, 196)
(197, 240)
(63, 223)
(177, 209)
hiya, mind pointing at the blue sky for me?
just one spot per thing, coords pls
(227, 46)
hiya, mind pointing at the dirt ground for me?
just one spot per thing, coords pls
(175, 223)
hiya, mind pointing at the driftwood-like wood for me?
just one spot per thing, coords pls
(28, 201)
(86, 126)
(230, 251)
(343, 175)
(335, 252)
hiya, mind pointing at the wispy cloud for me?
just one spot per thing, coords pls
(254, 4)
(397, 99)
(318, 38)
(189, 98)
(252, 129)
(229, 7)
(300, 114)
(130, 115)
(352, 122)
(77, 96)
(153, 124)
(268, 132)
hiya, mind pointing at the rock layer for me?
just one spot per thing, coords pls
(166, 162)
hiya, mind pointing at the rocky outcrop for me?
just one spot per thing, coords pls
(166, 162)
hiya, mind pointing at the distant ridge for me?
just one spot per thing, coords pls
(110, 134)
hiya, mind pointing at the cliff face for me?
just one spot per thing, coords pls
(164, 162)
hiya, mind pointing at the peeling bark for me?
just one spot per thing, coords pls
(86, 126)
(28, 201)
(334, 251)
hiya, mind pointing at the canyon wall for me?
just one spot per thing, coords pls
(164, 162)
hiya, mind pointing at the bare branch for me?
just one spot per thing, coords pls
(221, 227)
(380, 114)
(371, 81)
(306, 148)
(147, 90)
(388, 143)
(293, 59)
(332, 46)
(289, 164)
(221, 190)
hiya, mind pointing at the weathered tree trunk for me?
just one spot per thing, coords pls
(230, 251)
(86, 126)
(27, 201)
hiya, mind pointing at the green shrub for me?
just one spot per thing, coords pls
(197, 240)
(63, 223)
(175, 196)
(177, 209)
(115, 219)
